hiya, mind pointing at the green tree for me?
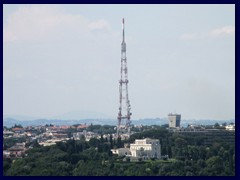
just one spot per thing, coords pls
(214, 166)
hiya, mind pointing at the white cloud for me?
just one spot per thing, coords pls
(223, 31)
(38, 22)
(215, 33)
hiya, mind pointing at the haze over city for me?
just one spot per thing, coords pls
(63, 58)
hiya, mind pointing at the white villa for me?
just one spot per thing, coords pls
(142, 148)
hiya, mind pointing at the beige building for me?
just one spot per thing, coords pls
(51, 142)
(142, 148)
(146, 148)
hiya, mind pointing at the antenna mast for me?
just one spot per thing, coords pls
(124, 108)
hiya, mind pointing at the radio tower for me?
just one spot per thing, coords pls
(124, 113)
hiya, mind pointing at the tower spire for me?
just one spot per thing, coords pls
(124, 108)
(123, 29)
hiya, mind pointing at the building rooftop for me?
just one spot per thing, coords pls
(174, 114)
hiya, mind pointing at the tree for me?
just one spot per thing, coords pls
(216, 125)
(119, 142)
(17, 126)
(94, 142)
(6, 165)
(102, 139)
(111, 141)
(224, 124)
(179, 149)
(82, 138)
(214, 166)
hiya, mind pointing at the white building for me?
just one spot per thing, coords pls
(142, 148)
(230, 127)
(121, 151)
(51, 142)
(146, 148)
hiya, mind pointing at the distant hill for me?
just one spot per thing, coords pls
(77, 115)
(19, 117)
(150, 121)
(9, 122)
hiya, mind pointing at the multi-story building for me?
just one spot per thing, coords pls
(174, 120)
(209, 136)
(146, 148)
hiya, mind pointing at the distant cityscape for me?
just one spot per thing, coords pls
(51, 133)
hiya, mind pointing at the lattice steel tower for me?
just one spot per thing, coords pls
(124, 114)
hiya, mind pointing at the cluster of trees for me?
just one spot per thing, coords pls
(12, 141)
(105, 129)
(188, 157)
(15, 126)
(217, 158)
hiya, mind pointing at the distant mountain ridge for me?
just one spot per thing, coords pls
(9, 122)
(20, 117)
(77, 115)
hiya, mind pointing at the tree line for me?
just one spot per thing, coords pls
(188, 156)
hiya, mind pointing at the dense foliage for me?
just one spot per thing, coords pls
(189, 156)
(12, 141)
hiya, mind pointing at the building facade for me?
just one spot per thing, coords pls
(142, 148)
(121, 151)
(174, 120)
(230, 127)
(146, 148)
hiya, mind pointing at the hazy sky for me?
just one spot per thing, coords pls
(62, 58)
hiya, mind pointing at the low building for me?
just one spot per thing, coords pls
(7, 133)
(86, 134)
(50, 142)
(146, 148)
(121, 151)
(83, 126)
(210, 136)
(142, 148)
(18, 130)
(60, 135)
(18, 150)
(6, 154)
(230, 127)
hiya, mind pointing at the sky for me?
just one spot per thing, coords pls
(63, 58)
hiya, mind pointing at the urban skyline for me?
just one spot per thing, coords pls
(67, 58)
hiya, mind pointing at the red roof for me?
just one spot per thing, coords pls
(64, 127)
(82, 126)
(17, 129)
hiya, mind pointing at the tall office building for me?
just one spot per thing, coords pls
(174, 120)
